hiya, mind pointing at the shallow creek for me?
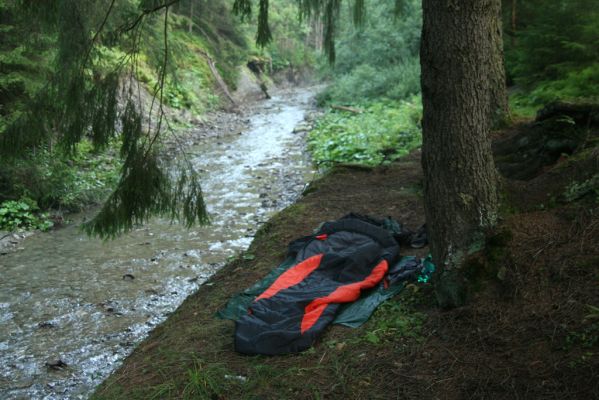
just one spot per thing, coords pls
(71, 307)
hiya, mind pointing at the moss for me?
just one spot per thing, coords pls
(451, 289)
(500, 239)
(506, 205)
(487, 266)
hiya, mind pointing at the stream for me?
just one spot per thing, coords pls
(72, 307)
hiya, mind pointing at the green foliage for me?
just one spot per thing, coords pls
(289, 46)
(392, 320)
(22, 214)
(65, 65)
(553, 52)
(366, 82)
(383, 133)
(575, 84)
(293, 40)
(379, 58)
(327, 12)
(215, 31)
(206, 381)
(55, 180)
(578, 190)
(147, 186)
(24, 59)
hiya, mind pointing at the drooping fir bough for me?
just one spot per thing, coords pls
(85, 98)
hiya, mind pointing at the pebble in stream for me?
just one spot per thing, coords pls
(71, 307)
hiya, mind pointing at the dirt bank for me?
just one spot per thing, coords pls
(528, 331)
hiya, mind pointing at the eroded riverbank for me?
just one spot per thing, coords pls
(71, 307)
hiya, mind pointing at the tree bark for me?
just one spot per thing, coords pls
(499, 108)
(514, 25)
(190, 26)
(460, 188)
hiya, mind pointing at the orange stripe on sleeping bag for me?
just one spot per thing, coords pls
(343, 294)
(292, 276)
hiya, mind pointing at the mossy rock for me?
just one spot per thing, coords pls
(538, 145)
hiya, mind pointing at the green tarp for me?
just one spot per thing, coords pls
(352, 314)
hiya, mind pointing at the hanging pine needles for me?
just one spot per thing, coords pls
(81, 100)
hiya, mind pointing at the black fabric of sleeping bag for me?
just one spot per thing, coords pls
(347, 251)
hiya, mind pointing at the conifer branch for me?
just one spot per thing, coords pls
(160, 91)
(97, 33)
(146, 12)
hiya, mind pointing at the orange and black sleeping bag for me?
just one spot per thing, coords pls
(331, 267)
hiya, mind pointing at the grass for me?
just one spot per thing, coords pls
(191, 354)
(207, 380)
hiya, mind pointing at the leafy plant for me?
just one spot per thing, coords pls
(579, 189)
(55, 180)
(393, 319)
(384, 132)
(22, 214)
(377, 59)
(552, 53)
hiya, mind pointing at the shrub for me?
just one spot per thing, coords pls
(22, 214)
(386, 131)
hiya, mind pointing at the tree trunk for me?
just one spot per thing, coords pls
(499, 108)
(514, 25)
(190, 27)
(459, 174)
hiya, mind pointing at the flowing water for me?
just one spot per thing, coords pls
(71, 307)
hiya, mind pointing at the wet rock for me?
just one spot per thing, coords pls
(56, 365)
(537, 145)
(129, 277)
(239, 378)
(303, 127)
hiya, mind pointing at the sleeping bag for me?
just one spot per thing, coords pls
(329, 268)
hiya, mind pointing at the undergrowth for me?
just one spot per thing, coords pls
(385, 131)
(53, 180)
(22, 214)
(577, 190)
(393, 320)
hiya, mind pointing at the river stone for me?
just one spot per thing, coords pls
(56, 365)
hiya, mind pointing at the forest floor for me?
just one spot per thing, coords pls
(528, 331)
